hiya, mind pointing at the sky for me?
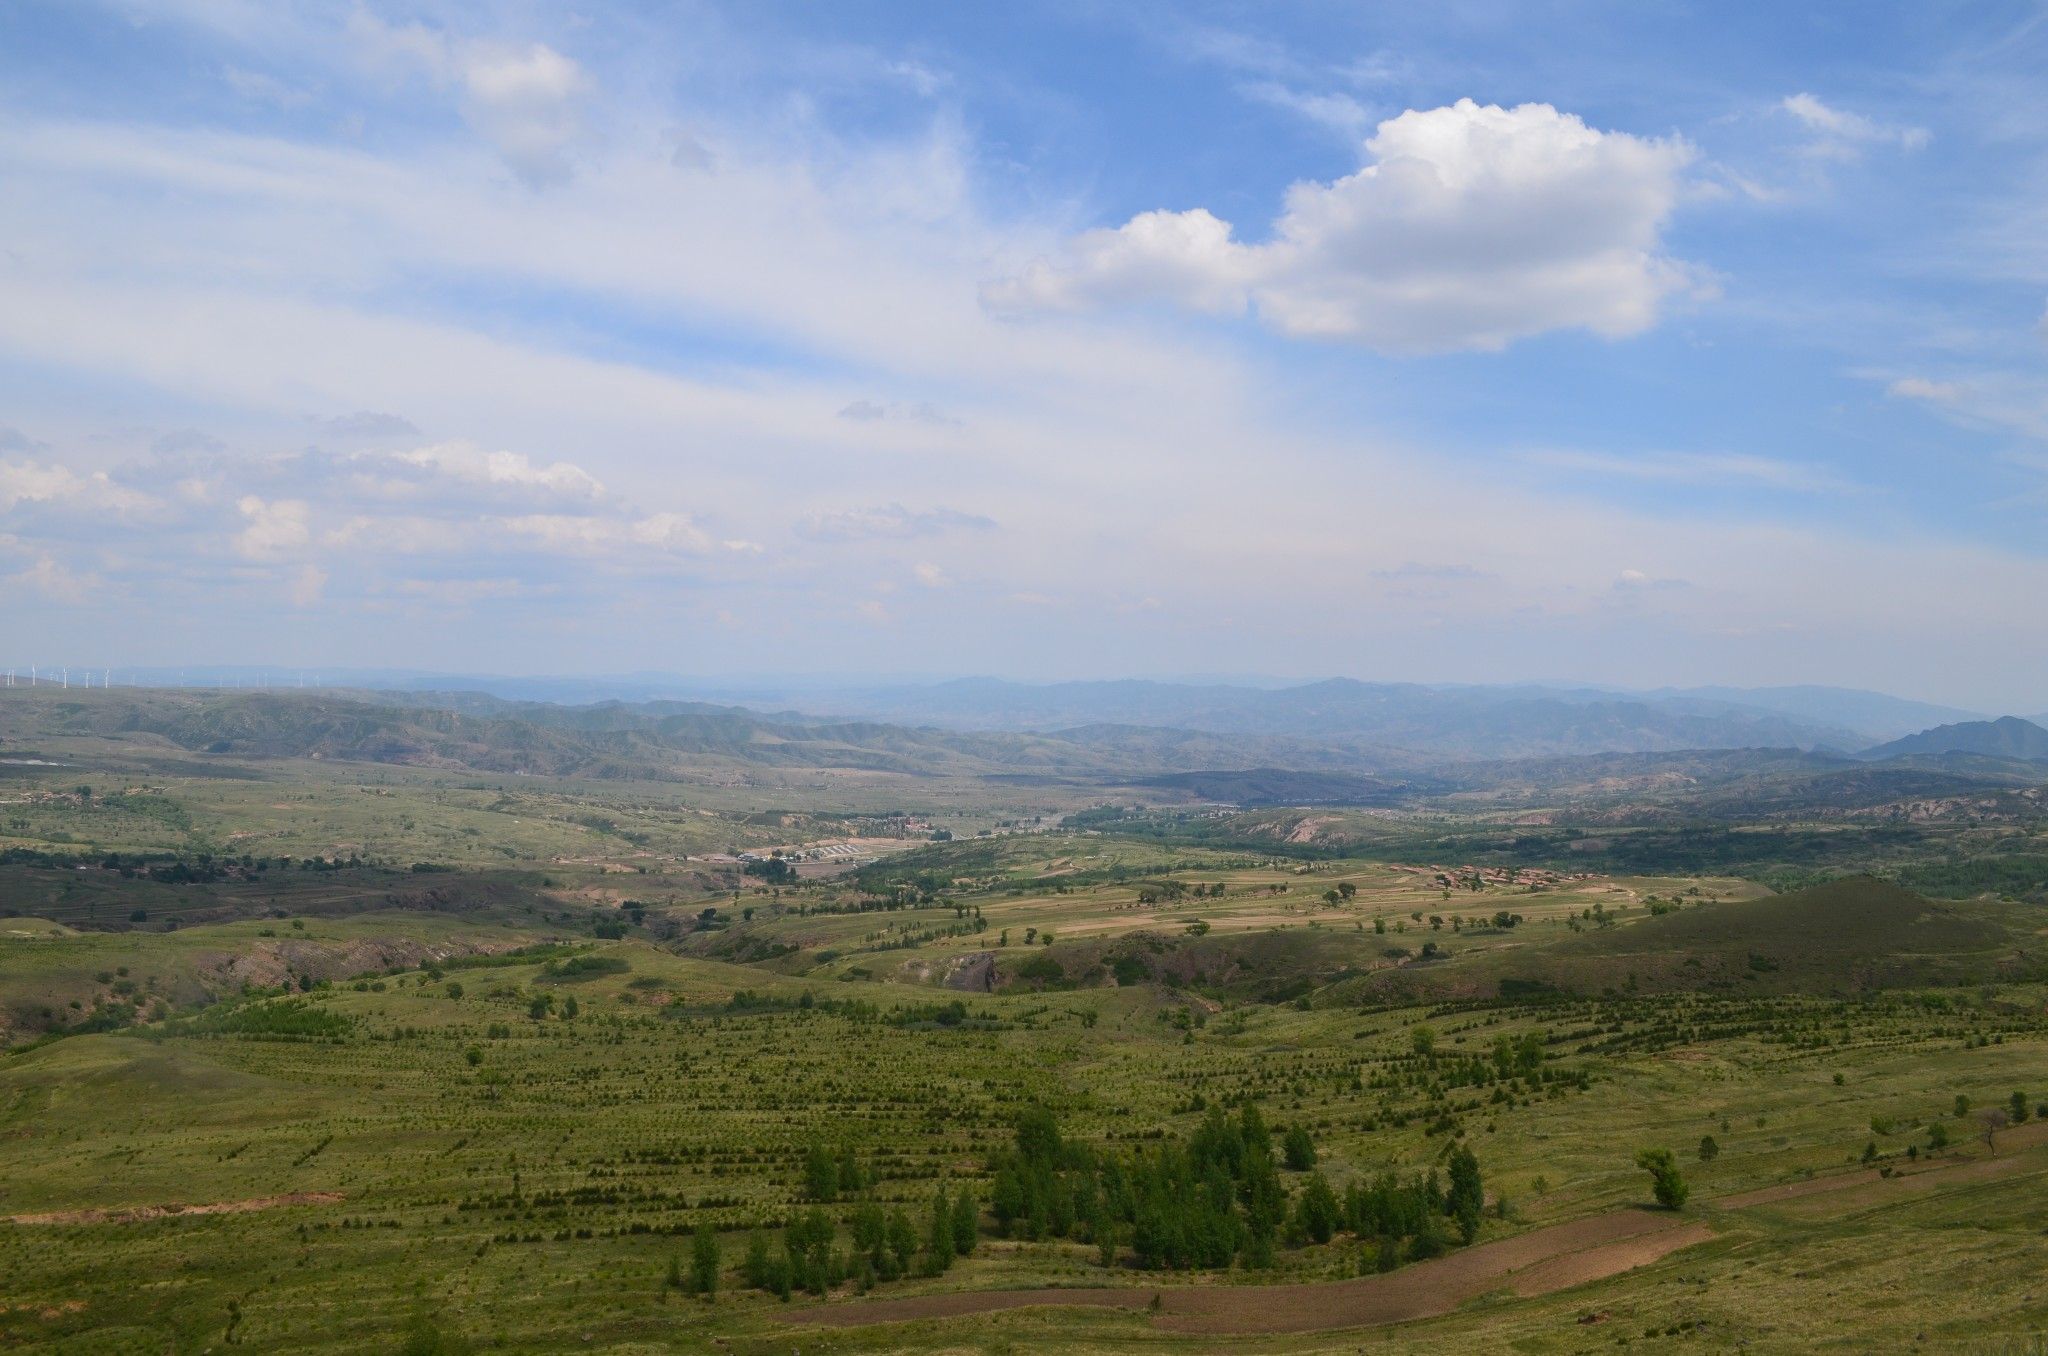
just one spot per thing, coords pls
(1637, 343)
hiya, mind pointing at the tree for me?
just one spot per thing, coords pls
(966, 1223)
(2019, 1108)
(704, 1262)
(851, 1178)
(938, 1237)
(1937, 1136)
(1990, 1121)
(1298, 1149)
(1107, 1241)
(902, 1239)
(1316, 1211)
(1429, 1240)
(1710, 1148)
(1422, 1038)
(1666, 1182)
(756, 1268)
(1466, 1199)
(821, 1174)
(870, 1233)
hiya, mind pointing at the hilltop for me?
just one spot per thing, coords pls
(1846, 936)
(2006, 737)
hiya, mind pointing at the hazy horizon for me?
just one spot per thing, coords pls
(1578, 345)
(821, 680)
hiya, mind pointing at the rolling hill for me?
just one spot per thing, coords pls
(1851, 935)
(2006, 737)
(611, 740)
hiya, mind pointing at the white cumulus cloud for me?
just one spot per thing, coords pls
(464, 461)
(525, 100)
(29, 482)
(667, 533)
(1469, 227)
(272, 526)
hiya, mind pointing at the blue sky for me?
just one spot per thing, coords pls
(1632, 343)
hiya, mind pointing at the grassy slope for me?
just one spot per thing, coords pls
(673, 1110)
(408, 1132)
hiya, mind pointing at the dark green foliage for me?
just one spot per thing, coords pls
(278, 1019)
(966, 1223)
(583, 967)
(1465, 1201)
(774, 870)
(902, 1239)
(807, 1245)
(1042, 969)
(938, 1235)
(1298, 1149)
(1666, 1182)
(704, 1262)
(1205, 1201)
(821, 1174)
(1316, 1211)
(870, 1229)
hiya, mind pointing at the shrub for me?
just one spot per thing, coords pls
(1666, 1182)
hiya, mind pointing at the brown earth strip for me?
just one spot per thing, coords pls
(130, 1214)
(2011, 1141)
(1597, 1264)
(1609, 1244)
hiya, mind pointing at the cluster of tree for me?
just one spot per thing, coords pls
(882, 1245)
(1411, 1218)
(774, 868)
(828, 1176)
(584, 967)
(1215, 1197)
(282, 1019)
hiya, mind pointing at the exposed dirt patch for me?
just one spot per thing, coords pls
(1593, 1264)
(271, 963)
(130, 1214)
(974, 973)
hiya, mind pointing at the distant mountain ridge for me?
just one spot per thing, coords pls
(614, 740)
(2006, 737)
(1371, 718)
(1410, 726)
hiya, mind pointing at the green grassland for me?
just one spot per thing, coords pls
(326, 1055)
(538, 1195)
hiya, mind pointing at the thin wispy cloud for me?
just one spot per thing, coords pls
(1732, 469)
(360, 317)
